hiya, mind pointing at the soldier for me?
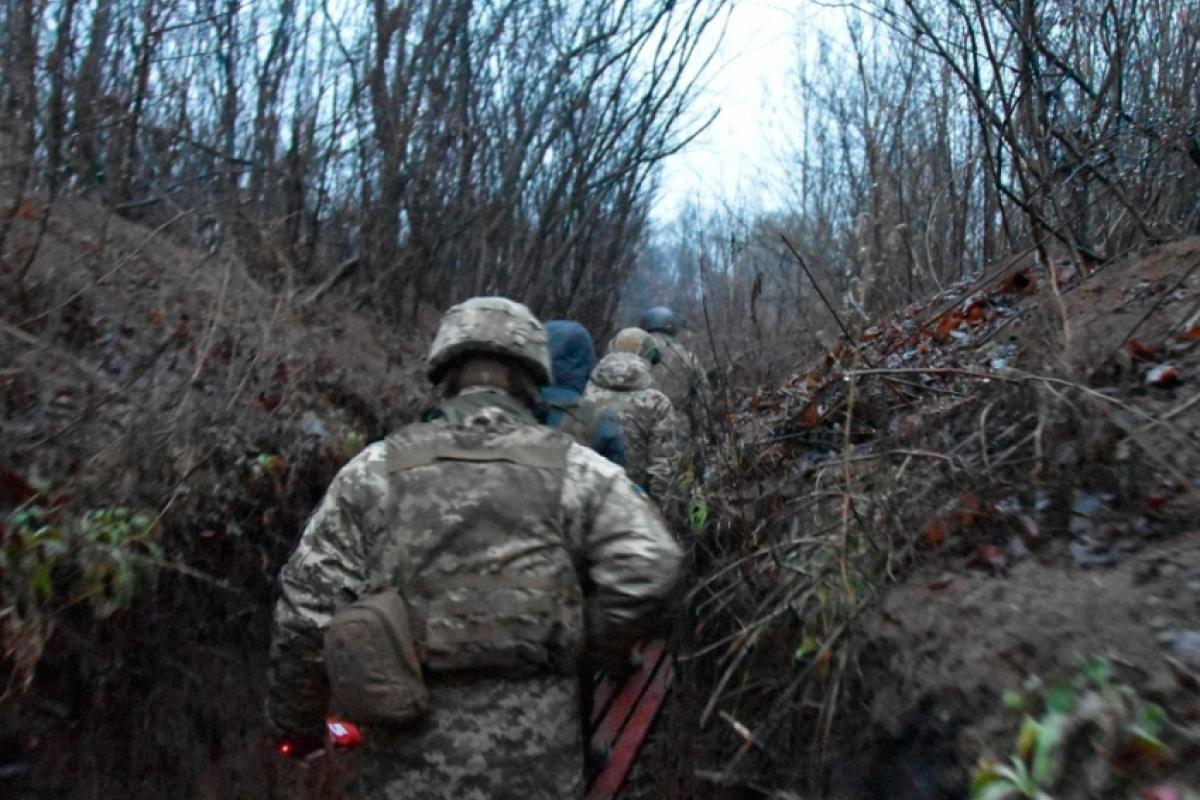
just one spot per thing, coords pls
(572, 357)
(516, 552)
(677, 372)
(622, 384)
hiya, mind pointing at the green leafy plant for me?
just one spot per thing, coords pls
(1031, 768)
(102, 545)
(999, 782)
(31, 552)
(808, 646)
(355, 440)
(1037, 763)
(697, 514)
(111, 540)
(49, 562)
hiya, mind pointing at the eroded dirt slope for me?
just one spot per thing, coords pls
(985, 513)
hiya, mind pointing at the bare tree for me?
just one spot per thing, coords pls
(442, 147)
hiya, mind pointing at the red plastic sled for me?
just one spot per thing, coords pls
(621, 718)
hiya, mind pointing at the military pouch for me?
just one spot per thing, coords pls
(512, 626)
(375, 673)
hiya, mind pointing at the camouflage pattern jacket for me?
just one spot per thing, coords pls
(679, 375)
(494, 495)
(622, 384)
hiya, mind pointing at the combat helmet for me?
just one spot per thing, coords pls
(636, 341)
(490, 325)
(660, 319)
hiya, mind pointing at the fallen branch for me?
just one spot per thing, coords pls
(339, 274)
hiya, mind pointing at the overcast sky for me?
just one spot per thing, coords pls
(735, 160)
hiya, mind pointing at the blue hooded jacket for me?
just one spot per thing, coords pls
(572, 356)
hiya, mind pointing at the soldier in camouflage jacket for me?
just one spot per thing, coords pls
(552, 554)
(622, 384)
(677, 372)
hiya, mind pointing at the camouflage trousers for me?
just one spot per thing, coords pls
(484, 740)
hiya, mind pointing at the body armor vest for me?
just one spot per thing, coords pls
(484, 565)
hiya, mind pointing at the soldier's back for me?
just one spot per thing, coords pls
(622, 385)
(479, 569)
(678, 373)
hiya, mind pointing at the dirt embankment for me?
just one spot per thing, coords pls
(980, 522)
(168, 421)
(1100, 560)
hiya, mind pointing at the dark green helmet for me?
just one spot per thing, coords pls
(659, 319)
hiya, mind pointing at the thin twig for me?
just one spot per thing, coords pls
(847, 453)
(845, 331)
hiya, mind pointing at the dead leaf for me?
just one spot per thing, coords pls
(1021, 282)
(1192, 334)
(989, 555)
(810, 417)
(1164, 376)
(14, 490)
(947, 324)
(968, 504)
(273, 464)
(268, 401)
(61, 499)
(936, 532)
(1136, 755)
(26, 210)
(1141, 352)
(1157, 501)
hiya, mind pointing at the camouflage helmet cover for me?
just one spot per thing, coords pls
(660, 319)
(636, 341)
(491, 325)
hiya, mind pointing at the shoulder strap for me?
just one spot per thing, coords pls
(431, 585)
(425, 449)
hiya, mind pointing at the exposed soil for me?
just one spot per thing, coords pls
(944, 644)
(1032, 489)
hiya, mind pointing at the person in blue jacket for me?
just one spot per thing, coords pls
(572, 356)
